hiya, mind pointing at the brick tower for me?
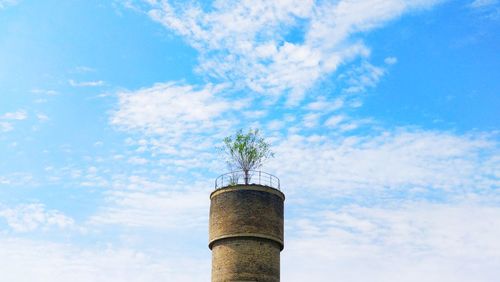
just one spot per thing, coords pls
(246, 230)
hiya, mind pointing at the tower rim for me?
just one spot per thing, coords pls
(254, 187)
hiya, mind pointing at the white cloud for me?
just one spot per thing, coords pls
(7, 119)
(275, 125)
(402, 160)
(390, 60)
(42, 117)
(140, 202)
(30, 217)
(84, 69)
(18, 179)
(360, 78)
(416, 241)
(169, 109)
(6, 3)
(4, 180)
(324, 105)
(487, 9)
(86, 83)
(181, 121)
(6, 126)
(44, 92)
(483, 3)
(310, 120)
(18, 115)
(333, 121)
(138, 160)
(245, 41)
(30, 261)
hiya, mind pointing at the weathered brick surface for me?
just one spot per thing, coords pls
(245, 259)
(246, 233)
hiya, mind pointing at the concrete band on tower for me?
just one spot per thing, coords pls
(246, 233)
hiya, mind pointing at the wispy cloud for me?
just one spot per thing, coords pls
(6, 3)
(178, 120)
(391, 60)
(139, 202)
(29, 217)
(84, 69)
(483, 3)
(6, 126)
(400, 160)
(42, 117)
(23, 260)
(17, 179)
(138, 160)
(44, 92)
(360, 78)
(170, 109)
(247, 43)
(416, 241)
(333, 121)
(18, 115)
(86, 83)
(324, 105)
(7, 120)
(487, 9)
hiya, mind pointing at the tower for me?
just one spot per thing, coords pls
(246, 229)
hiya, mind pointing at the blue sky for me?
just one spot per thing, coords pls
(383, 116)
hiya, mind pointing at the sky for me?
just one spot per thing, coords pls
(383, 116)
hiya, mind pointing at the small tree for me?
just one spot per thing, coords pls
(246, 151)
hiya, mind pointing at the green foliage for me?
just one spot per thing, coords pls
(246, 152)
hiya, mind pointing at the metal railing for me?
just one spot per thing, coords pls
(254, 177)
